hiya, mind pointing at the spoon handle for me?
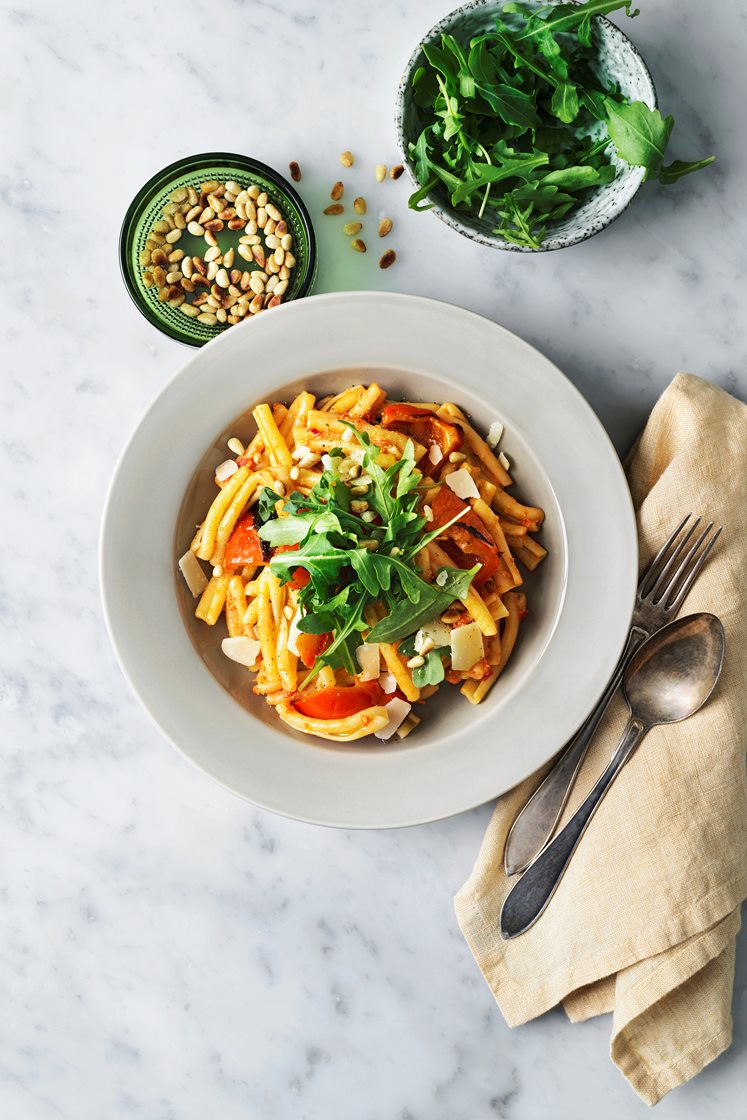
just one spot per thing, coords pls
(529, 897)
(536, 822)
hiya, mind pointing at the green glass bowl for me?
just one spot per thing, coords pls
(146, 207)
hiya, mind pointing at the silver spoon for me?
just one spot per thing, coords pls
(668, 679)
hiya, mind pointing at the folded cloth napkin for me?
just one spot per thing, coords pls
(645, 919)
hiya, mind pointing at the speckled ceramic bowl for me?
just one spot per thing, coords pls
(619, 61)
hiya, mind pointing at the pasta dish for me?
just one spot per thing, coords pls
(364, 552)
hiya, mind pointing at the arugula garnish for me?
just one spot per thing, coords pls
(518, 125)
(355, 563)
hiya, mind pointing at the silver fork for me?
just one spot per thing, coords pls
(661, 592)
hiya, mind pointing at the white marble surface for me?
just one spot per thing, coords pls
(167, 951)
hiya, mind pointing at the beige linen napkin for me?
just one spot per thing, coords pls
(645, 920)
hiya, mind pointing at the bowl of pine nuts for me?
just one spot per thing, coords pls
(214, 240)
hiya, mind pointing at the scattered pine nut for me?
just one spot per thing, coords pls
(388, 259)
(396, 171)
(337, 191)
(359, 205)
(335, 208)
(295, 171)
(347, 159)
(358, 245)
(380, 172)
(351, 228)
(385, 227)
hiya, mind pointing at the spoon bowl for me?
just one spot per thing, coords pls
(674, 673)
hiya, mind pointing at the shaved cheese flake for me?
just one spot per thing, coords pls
(463, 484)
(243, 650)
(438, 632)
(193, 572)
(293, 633)
(368, 659)
(397, 711)
(435, 454)
(466, 647)
(504, 461)
(225, 470)
(388, 683)
(494, 434)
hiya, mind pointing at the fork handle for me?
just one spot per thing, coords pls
(526, 901)
(538, 819)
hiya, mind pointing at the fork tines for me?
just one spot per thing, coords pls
(672, 572)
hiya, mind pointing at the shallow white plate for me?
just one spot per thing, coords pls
(580, 598)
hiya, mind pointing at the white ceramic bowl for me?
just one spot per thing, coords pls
(619, 62)
(580, 598)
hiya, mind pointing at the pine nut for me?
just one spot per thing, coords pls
(256, 305)
(380, 172)
(159, 276)
(188, 309)
(290, 260)
(286, 241)
(396, 171)
(272, 241)
(279, 255)
(207, 215)
(212, 253)
(388, 259)
(281, 228)
(191, 196)
(144, 257)
(227, 214)
(351, 228)
(281, 288)
(148, 280)
(211, 185)
(235, 275)
(272, 265)
(259, 255)
(199, 265)
(228, 258)
(176, 256)
(274, 301)
(195, 229)
(385, 227)
(186, 284)
(210, 237)
(161, 226)
(273, 211)
(272, 283)
(159, 238)
(295, 171)
(221, 315)
(337, 191)
(285, 272)
(212, 270)
(359, 205)
(262, 199)
(179, 221)
(358, 245)
(294, 473)
(179, 195)
(221, 277)
(245, 253)
(256, 284)
(173, 277)
(261, 217)
(200, 281)
(214, 226)
(415, 662)
(347, 159)
(335, 208)
(191, 215)
(250, 207)
(253, 191)
(233, 187)
(254, 239)
(252, 227)
(270, 225)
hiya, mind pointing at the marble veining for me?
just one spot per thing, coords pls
(167, 951)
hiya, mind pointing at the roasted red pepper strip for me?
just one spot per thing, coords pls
(338, 703)
(466, 541)
(423, 426)
(244, 545)
(311, 645)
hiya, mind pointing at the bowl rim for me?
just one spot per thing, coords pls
(448, 216)
(180, 167)
(361, 793)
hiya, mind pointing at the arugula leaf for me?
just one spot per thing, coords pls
(432, 672)
(434, 600)
(566, 17)
(266, 505)
(572, 178)
(511, 168)
(317, 623)
(640, 134)
(565, 103)
(677, 169)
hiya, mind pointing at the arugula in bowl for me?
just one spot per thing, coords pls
(518, 127)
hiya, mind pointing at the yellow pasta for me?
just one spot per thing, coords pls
(256, 588)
